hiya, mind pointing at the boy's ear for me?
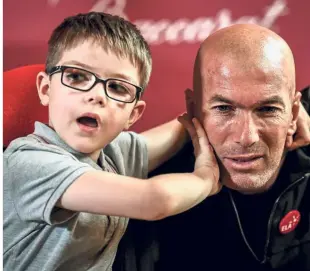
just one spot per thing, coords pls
(293, 125)
(43, 87)
(136, 114)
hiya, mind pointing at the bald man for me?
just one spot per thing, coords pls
(245, 98)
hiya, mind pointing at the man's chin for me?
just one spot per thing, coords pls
(247, 185)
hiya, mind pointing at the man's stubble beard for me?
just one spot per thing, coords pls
(251, 183)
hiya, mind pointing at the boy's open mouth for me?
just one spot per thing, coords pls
(88, 121)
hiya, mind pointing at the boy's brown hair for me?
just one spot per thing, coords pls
(113, 32)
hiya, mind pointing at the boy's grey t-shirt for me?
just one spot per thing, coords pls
(40, 236)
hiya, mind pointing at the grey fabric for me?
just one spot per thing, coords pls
(38, 235)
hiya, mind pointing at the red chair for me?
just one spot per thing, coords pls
(21, 104)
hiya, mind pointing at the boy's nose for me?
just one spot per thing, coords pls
(97, 95)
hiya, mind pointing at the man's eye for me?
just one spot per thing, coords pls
(223, 108)
(268, 109)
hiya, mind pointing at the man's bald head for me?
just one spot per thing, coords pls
(250, 49)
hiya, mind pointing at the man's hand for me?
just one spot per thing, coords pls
(302, 136)
(206, 166)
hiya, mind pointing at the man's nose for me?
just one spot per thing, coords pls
(246, 131)
(97, 95)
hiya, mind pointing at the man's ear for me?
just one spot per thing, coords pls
(136, 114)
(43, 87)
(295, 110)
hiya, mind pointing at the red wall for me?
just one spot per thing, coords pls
(174, 30)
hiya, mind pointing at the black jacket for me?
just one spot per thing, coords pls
(228, 231)
(209, 237)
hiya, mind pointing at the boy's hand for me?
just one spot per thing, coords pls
(190, 103)
(302, 135)
(206, 166)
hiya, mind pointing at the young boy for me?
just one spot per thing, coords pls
(70, 187)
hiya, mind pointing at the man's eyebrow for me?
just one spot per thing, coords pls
(273, 100)
(219, 98)
(270, 100)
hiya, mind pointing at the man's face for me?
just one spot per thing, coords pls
(247, 116)
(72, 112)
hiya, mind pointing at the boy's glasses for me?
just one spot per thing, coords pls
(83, 80)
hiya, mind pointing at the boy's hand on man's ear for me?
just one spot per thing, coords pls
(190, 104)
(302, 136)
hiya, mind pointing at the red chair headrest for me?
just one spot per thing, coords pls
(21, 104)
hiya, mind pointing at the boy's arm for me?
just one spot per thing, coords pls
(302, 135)
(111, 194)
(164, 141)
(161, 196)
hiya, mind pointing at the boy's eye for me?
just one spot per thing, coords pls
(76, 76)
(118, 87)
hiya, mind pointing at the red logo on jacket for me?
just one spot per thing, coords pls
(289, 222)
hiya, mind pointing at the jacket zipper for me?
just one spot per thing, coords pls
(272, 215)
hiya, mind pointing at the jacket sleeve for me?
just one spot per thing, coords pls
(305, 98)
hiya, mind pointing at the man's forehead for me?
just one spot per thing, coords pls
(232, 74)
(244, 61)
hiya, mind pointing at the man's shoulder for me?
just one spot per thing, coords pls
(298, 161)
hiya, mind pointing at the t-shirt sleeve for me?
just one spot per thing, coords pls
(129, 154)
(37, 177)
